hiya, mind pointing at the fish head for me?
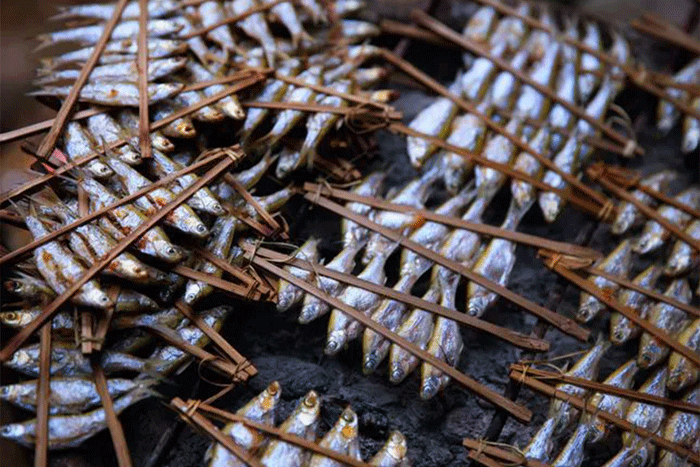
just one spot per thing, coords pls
(13, 431)
(16, 286)
(185, 129)
(677, 265)
(94, 296)
(400, 367)
(196, 227)
(589, 309)
(131, 157)
(20, 359)
(666, 122)
(311, 311)
(287, 295)
(15, 319)
(167, 251)
(651, 351)
(430, 386)
(681, 373)
(99, 169)
(550, 203)
(586, 83)
(477, 305)
(690, 140)
(647, 242)
(624, 220)
(348, 423)
(285, 165)
(193, 291)
(621, 329)
(310, 409)
(396, 445)
(131, 268)
(162, 143)
(336, 341)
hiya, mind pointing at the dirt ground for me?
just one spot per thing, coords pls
(283, 350)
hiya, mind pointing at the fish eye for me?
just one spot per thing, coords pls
(171, 251)
(201, 228)
(349, 417)
(104, 299)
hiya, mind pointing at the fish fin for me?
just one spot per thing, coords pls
(44, 40)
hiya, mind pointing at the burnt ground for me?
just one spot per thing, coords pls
(283, 350)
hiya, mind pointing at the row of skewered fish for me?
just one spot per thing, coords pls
(440, 336)
(577, 433)
(667, 113)
(304, 421)
(576, 77)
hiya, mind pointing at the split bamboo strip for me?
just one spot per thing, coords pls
(654, 26)
(236, 290)
(650, 213)
(453, 221)
(566, 325)
(226, 368)
(483, 459)
(142, 68)
(580, 404)
(447, 33)
(513, 337)
(495, 450)
(216, 338)
(304, 107)
(35, 128)
(606, 388)
(637, 75)
(50, 310)
(115, 427)
(518, 411)
(225, 416)
(85, 219)
(189, 413)
(235, 271)
(240, 189)
(398, 28)
(629, 313)
(43, 391)
(48, 143)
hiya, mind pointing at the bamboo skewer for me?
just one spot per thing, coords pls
(113, 423)
(142, 68)
(493, 449)
(41, 447)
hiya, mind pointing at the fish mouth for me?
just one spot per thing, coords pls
(332, 346)
(369, 365)
(397, 374)
(620, 336)
(646, 243)
(476, 306)
(430, 388)
(309, 314)
(676, 381)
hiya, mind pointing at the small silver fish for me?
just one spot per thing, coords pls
(511, 30)
(617, 263)
(210, 13)
(667, 114)
(433, 120)
(681, 372)
(445, 344)
(682, 255)
(566, 160)
(691, 129)
(106, 130)
(116, 51)
(505, 85)
(681, 428)
(207, 114)
(129, 121)
(115, 72)
(91, 34)
(627, 213)
(621, 328)
(288, 294)
(499, 149)
(475, 82)
(559, 116)
(102, 11)
(229, 105)
(353, 233)
(523, 192)
(647, 416)
(667, 318)
(343, 262)
(590, 64)
(341, 327)
(261, 409)
(181, 127)
(393, 453)
(480, 24)
(495, 264)
(342, 438)
(118, 94)
(541, 445)
(654, 235)
(417, 328)
(287, 15)
(586, 367)
(623, 378)
(572, 453)
(69, 395)
(302, 422)
(78, 143)
(256, 27)
(69, 431)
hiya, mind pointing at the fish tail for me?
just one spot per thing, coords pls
(64, 13)
(44, 40)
